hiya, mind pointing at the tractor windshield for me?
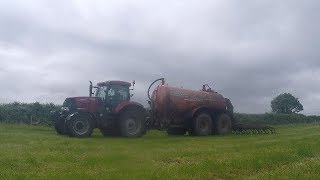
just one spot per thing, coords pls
(113, 94)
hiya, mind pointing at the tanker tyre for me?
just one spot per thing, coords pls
(223, 124)
(80, 126)
(202, 125)
(132, 123)
(176, 131)
(60, 126)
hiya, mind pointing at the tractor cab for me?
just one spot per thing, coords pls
(112, 93)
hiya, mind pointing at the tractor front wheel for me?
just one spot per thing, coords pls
(80, 126)
(132, 123)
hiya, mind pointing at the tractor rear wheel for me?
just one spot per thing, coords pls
(80, 126)
(223, 124)
(132, 123)
(202, 124)
(60, 126)
(176, 131)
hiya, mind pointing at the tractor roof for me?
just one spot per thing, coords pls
(114, 82)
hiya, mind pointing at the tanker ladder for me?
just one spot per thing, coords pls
(240, 128)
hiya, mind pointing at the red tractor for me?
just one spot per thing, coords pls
(109, 110)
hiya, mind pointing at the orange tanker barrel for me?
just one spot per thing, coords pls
(172, 104)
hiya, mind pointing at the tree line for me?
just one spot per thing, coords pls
(27, 113)
(285, 108)
(275, 118)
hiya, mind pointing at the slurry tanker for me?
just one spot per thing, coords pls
(179, 111)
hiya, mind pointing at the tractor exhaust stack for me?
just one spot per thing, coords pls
(90, 89)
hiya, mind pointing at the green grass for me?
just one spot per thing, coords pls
(37, 152)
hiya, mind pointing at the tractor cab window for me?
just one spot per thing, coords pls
(118, 93)
(111, 92)
(101, 92)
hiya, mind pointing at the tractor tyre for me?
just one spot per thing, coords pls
(202, 124)
(132, 123)
(176, 131)
(223, 124)
(60, 126)
(109, 132)
(80, 126)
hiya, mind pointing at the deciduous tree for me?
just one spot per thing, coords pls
(286, 103)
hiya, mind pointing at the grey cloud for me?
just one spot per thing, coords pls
(249, 51)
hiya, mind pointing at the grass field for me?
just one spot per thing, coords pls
(37, 152)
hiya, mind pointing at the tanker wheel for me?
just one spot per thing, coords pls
(202, 125)
(109, 132)
(223, 124)
(80, 126)
(176, 131)
(132, 123)
(60, 126)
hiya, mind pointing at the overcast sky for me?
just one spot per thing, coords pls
(249, 51)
